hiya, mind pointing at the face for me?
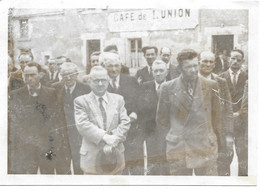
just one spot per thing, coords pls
(150, 56)
(24, 59)
(159, 72)
(31, 76)
(166, 55)
(99, 83)
(207, 63)
(113, 68)
(52, 66)
(94, 60)
(69, 76)
(236, 60)
(189, 69)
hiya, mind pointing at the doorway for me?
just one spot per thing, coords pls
(92, 46)
(221, 43)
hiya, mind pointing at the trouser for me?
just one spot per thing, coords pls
(134, 157)
(241, 144)
(225, 157)
(178, 168)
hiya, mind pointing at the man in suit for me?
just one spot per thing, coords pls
(221, 64)
(173, 71)
(225, 141)
(128, 87)
(16, 78)
(113, 49)
(52, 76)
(102, 121)
(236, 80)
(148, 106)
(188, 117)
(145, 74)
(37, 137)
(68, 89)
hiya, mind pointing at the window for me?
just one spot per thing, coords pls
(136, 52)
(24, 28)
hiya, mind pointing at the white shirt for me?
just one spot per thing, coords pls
(71, 88)
(158, 90)
(54, 75)
(104, 101)
(116, 82)
(35, 94)
(232, 75)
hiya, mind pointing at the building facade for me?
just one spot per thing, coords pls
(76, 33)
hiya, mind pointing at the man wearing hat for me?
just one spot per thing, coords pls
(102, 121)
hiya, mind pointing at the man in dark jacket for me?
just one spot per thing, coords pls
(37, 137)
(69, 89)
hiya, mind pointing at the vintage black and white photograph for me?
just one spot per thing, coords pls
(101, 92)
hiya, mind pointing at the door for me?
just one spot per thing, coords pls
(92, 46)
(222, 43)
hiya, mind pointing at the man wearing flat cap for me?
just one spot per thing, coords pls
(102, 121)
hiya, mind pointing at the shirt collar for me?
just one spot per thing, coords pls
(117, 80)
(231, 72)
(34, 93)
(157, 84)
(104, 97)
(71, 88)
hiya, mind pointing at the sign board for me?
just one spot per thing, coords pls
(153, 19)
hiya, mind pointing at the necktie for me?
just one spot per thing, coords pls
(68, 91)
(190, 89)
(103, 112)
(234, 79)
(52, 75)
(114, 83)
(150, 70)
(158, 90)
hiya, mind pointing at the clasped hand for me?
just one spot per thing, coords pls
(111, 140)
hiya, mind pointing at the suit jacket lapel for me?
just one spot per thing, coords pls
(95, 110)
(181, 95)
(110, 112)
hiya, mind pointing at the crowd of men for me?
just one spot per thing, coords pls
(168, 119)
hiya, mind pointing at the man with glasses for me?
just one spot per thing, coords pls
(69, 89)
(102, 121)
(236, 79)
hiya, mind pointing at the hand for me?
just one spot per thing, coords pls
(230, 142)
(111, 140)
(107, 149)
(139, 80)
(235, 115)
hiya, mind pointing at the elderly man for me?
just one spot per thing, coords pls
(37, 128)
(188, 117)
(236, 79)
(113, 49)
(145, 74)
(225, 141)
(128, 87)
(148, 106)
(16, 78)
(173, 71)
(102, 121)
(69, 89)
